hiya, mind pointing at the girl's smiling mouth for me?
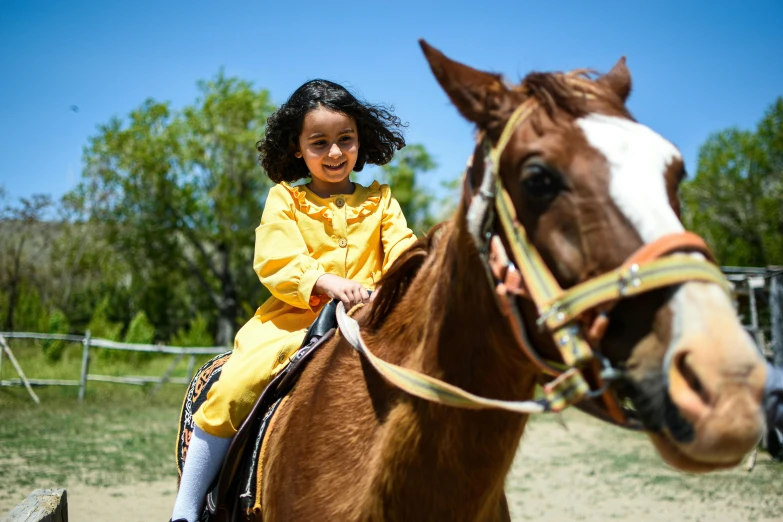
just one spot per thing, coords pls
(334, 167)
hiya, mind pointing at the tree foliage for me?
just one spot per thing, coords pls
(196, 334)
(735, 200)
(178, 195)
(23, 236)
(101, 326)
(57, 323)
(140, 330)
(401, 174)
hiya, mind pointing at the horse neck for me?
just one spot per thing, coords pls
(469, 342)
(457, 458)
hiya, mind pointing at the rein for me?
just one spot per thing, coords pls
(576, 318)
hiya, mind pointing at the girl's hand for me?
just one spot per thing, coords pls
(349, 292)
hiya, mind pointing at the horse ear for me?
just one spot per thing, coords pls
(618, 79)
(476, 94)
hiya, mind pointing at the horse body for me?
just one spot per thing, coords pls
(590, 186)
(379, 454)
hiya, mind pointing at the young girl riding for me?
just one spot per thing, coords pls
(328, 239)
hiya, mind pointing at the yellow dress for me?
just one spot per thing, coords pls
(301, 237)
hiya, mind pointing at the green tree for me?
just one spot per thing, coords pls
(401, 174)
(195, 334)
(140, 330)
(735, 201)
(57, 323)
(84, 268)
(23, 237)
(178, 195)
(101, 326)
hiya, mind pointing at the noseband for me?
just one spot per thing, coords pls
(576, 318)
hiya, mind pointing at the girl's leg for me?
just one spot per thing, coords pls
(261, 350)
(205, 456)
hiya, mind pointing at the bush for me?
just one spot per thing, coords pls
(140, 330)
(196, 334)
(29, 312)
(57, 324)
(100, 326)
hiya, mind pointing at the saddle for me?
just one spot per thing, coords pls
(234, 495)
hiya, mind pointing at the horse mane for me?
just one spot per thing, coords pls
(567, 92)
(397, 279)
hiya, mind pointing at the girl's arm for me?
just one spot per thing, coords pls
(395, 234)
(335, 287)
(282, 259)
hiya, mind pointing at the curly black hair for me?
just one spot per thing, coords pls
(379, 130)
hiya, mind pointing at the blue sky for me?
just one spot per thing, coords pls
(697, 66)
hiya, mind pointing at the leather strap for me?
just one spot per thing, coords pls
(677, 242)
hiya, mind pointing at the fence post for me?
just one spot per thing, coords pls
(191, 366)
(85, 366)
(42, 505)
(776, 316)
(18, 368)
(754, 316)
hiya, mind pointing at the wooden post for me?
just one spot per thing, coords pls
(776, 316)
(85, 366)
(18, 368)
(42, 505)
(754, 314)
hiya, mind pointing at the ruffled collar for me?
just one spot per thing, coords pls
(364, 201)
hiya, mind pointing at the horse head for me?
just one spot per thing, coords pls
(595, 191)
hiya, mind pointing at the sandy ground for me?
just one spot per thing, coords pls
(594, 472)
(589, 472)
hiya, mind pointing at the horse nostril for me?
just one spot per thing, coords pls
(693, 381)
(679, 428)
(686, 399)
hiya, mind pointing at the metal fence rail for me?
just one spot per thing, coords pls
(88, 343)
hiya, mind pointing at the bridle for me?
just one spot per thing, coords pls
(576, 318)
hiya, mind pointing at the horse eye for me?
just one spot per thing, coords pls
(540, 182)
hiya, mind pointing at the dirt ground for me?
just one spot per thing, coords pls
(595, 472)
(589, 472)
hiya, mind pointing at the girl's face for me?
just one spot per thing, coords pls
(329, 145)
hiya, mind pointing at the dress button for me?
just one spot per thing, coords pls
(339, 202)
(343, 242)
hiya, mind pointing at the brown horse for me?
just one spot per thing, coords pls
(591, 187)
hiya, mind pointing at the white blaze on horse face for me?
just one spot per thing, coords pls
(637, 159)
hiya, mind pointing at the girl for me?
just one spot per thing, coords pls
(330, 238)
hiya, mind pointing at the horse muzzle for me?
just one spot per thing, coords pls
(714, 383)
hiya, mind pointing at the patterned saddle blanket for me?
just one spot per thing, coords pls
(235, 494)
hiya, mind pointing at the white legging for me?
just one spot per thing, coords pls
(202, 463)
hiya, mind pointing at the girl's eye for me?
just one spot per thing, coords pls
(541, 182)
